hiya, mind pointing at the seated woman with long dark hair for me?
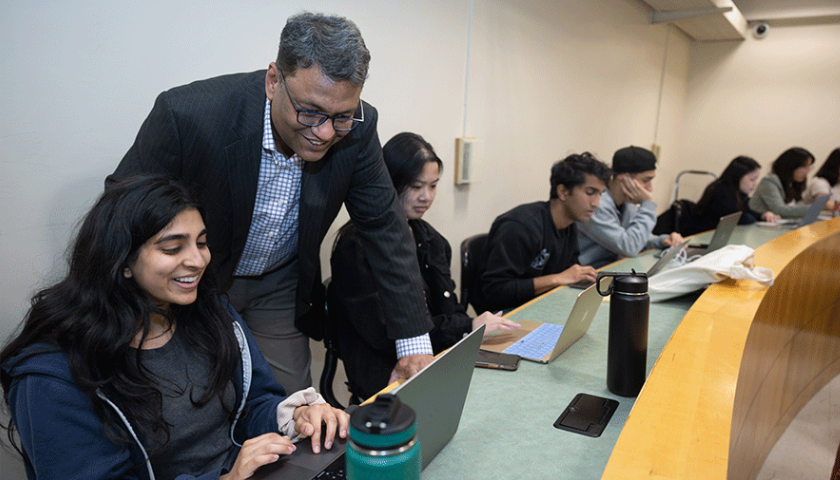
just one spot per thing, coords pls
(132, 367)
(826, 181)
(728, 194)
(354, 304)
(781, 191)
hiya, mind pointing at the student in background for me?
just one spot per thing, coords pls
(356, 310)
(729, 194)
(533, 248)
(827, 180)
(133, 367)
(623, 224)
(781, 191)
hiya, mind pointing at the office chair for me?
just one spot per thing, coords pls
(673, 219)
(330, 357)
(471, 249)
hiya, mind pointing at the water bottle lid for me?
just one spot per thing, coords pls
(384, 423)
(633, 283)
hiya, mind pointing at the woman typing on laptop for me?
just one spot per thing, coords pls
(354, 304)
(728, 194)
(131, 367)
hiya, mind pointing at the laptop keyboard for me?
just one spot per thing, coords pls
(538, 343)
(335, 470)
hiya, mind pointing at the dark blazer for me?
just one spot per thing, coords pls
(357, 317)
(209, 133)
(355, 298)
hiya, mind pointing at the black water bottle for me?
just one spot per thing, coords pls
(628, 337)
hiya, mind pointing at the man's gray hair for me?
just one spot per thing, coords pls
(332, 43)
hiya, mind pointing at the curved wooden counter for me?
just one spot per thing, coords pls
(779, 345)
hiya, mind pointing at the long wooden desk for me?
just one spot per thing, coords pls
(507, 427)
(740, 366)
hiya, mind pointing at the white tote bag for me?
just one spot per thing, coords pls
(731, 261)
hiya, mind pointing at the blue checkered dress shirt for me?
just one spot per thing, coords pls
(272, 239)
(273, 236)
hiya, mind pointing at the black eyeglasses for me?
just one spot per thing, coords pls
(314, 119)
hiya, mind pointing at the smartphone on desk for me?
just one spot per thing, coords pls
(498, 361)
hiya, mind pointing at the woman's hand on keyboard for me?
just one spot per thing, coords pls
(256, 452)
(494, 322)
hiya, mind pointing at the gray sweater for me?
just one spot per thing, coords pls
(616, 232)
(769, 196)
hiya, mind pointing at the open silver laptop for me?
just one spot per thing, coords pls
(543, 342)
(666, 256)
(723, 232)
(810, 216)
(437, 394)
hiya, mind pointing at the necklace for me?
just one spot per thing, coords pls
(168, 329)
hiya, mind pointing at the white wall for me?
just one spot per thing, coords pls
(545, 79)
(760, 97)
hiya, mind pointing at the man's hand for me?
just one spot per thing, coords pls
(633, 190)
(673, 239)
(576, 273)
(573, 274)
(308, 420)
(408, 366)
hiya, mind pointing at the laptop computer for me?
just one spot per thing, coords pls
(666, 256)
(437, 394)
(543, 342)
(723, 232)
(811, 216)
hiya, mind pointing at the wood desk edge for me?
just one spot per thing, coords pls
(680, 424)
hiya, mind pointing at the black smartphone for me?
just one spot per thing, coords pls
(499, 361)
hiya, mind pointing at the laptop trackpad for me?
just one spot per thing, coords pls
(304, 456)
(282, 469)
(303, 463)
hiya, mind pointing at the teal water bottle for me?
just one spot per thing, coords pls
(383, 441)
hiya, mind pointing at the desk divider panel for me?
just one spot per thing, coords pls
(741, 364)
(792, 351)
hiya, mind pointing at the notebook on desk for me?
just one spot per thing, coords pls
(437, 394)
(811, 216)
(543, 342)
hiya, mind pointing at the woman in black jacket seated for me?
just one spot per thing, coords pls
(728, 194)
(355, 308)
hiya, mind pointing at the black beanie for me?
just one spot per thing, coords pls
(633, 160)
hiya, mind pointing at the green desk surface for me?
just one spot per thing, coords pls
(507, 429)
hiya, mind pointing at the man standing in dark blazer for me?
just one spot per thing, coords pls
(273, 154)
